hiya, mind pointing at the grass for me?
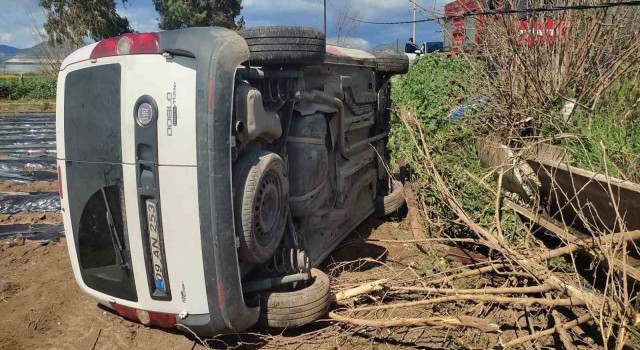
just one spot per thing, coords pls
(608, 136)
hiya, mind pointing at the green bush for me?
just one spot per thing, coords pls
(29, 87)
(433, 87)
(607, 136)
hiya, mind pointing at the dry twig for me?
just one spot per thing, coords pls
(566, 326)
(476, 298)
(343, 297)
(449, 322)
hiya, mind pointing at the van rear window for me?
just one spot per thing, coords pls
(94, 171)
(102, 245)
(92, 114)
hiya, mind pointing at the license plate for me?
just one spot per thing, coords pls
(155, 245)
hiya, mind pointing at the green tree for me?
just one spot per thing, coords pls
(176, 14)
(72, 21)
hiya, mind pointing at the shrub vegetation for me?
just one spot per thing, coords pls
(434, 86)
(31, 87)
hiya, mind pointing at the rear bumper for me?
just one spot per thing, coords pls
(218, 53)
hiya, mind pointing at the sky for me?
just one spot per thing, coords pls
(20, 20)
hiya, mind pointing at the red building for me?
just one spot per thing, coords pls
(463, 30)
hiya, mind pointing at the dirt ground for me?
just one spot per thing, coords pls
(30, 218)
(43, 308)
(36, 186)
(26, 106)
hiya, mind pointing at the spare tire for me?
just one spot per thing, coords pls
(261, 194)
(392, 63)
(285, 46)
(299, 307)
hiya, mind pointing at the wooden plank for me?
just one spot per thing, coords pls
(570, 235)
(583, 199)
(552, 153)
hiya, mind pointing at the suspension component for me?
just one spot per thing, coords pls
(288, 261)
(277, 92)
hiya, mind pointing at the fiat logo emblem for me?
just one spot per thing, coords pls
(145, 114)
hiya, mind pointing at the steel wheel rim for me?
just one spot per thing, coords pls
(267, 209)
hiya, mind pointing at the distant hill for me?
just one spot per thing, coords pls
(7, 51)
(45, 50)
(32, 51)
(41, 49)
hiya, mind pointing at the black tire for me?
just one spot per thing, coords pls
(285, 46)
(392, 63)
(391, 203)
(297, 308)
(261, 194)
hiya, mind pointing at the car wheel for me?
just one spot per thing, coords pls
(298, 307)
(285, 46)
(392, 202)
(392, 63)
(261, 197)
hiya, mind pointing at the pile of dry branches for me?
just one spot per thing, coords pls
(527, 282)
(572, 279)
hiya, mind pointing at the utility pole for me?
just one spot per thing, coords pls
(325, 18)
(415, 40)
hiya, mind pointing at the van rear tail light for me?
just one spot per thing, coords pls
(127, 44)
(125, 311)
(159, 319)
(163, 320)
